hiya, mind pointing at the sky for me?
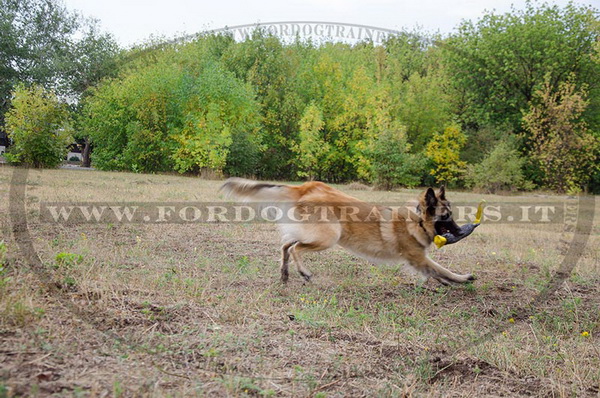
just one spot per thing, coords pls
(134, 21)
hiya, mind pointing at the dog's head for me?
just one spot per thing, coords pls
(435, 209)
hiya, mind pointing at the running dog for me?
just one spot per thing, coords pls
(377, 233)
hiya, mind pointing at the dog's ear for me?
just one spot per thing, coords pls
(442, 192)
(430, 199)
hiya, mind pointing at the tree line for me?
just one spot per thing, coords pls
(510, 101)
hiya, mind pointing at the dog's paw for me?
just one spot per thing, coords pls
(306, 276)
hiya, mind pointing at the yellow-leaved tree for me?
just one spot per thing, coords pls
(444, 151)
(39, 125)
(560, 141)
(312, 149)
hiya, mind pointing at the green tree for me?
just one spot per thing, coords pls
(391, 162)
(271, 69)
(42, 42)
(332, 111)
(424, 108)
(500, 169)
(407, 54)
(561, 143)
(92, 58)
(444, 151)
(128, 119)
(177, 113)
(39, 126)
(343, 83)
(220, 107)
(498, 62)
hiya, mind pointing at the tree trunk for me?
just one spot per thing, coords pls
(85, 156)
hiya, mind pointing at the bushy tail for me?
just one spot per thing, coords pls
(248, 190)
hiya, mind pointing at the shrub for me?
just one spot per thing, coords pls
(39, 126)
(358, 186)
(244, 155)
(501, 169)
(391, 163)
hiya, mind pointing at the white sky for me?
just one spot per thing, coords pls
(133, 21)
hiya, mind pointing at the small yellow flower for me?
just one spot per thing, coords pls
(511, 320)
(138, 239)
(585, 334)
(493, 253)
(83, 236)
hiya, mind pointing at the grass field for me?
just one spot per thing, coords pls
(198, 310)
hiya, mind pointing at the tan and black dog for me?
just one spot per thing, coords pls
(378, 233)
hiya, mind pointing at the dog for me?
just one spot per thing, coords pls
(377, 233)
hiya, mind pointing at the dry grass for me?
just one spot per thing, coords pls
(180, 310)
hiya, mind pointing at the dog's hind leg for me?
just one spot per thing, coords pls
(296, 251)
(285, 260)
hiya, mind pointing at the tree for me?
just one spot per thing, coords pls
(39, 126)
(407, 54)
(177, 113)
(423, 108)
(42, 42)
(271, 69)
(30, 41)
(391, 163)
(343, 83)
(128, 119)
(312, 149)
(93, 58)
(500, 169)
(499, 62)
(561, 143)
(444, 151)
(34, 39)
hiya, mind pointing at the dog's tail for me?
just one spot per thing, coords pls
(248, 190)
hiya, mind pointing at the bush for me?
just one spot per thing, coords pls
(501, 169)
(391, 163)
(39, 126)
(244, 155)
